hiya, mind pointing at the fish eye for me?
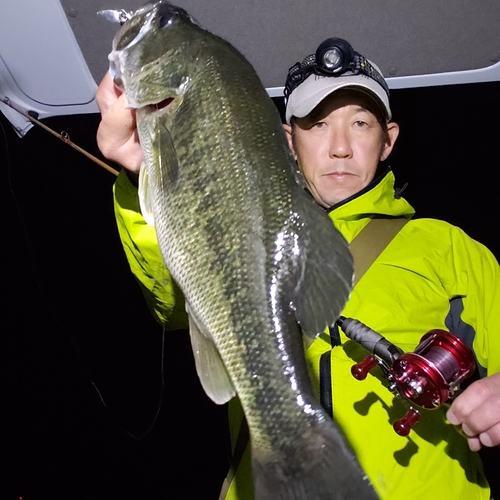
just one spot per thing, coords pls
(166, 13)
(164, 21)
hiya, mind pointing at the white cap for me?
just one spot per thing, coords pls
(306, 96)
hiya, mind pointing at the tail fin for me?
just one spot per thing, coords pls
(316, 466)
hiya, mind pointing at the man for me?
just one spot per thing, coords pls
(432, 275)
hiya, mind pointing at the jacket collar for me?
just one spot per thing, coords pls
(376, 199)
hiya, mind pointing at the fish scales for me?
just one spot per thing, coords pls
(252, 253)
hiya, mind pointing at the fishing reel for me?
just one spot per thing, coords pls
(427, 378)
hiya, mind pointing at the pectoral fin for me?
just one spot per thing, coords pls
(209, 365)
(326, 277)
(166, 155)
(144, 196)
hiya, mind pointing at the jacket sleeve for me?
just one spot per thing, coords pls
(477, 276)
(162, 294)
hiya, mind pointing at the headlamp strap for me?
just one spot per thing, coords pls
(298, 73)
(301, 71)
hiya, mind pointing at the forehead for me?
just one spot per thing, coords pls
(360, 102)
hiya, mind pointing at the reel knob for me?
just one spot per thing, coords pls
(403, 425)
(360, 370)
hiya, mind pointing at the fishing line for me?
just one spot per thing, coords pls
(56, 319)
(31, 259)
(162, 389)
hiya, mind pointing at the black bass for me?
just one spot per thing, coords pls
(256, 258)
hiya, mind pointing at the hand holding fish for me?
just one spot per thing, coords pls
(117, 134)
(477, 411)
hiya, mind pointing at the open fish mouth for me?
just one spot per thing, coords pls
(160, 105)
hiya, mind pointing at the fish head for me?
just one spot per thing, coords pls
(150, 53)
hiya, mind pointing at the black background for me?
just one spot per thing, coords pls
(81, 365)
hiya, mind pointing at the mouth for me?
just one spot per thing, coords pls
(161, 105)
(153, 109)
(339, 175)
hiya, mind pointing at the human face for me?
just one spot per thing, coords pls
(339, 145)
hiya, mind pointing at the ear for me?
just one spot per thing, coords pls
(392, 135)
(288, 132)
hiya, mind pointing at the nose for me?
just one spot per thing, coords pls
(340, 144)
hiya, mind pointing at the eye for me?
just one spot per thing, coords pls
(166, 13)
(318, 125)
(360, 124)
(165, 21)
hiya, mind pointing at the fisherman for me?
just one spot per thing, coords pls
(431, 275)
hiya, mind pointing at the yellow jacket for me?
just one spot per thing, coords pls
(432, 275)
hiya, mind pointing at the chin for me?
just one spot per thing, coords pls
(330, 200)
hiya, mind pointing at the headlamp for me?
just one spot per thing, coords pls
(334, 57)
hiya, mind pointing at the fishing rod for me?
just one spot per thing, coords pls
(64, 136)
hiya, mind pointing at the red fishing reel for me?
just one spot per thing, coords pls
(426, 378)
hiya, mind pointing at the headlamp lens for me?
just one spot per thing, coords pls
(332, 59)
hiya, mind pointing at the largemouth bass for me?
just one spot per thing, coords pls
(258, 261)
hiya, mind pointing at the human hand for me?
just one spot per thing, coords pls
(477, 411)
(117, 133)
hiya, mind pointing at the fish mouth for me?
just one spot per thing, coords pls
(153, 108)
(159, 108)
(160, 105)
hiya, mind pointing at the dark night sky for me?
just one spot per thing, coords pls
(73, 318)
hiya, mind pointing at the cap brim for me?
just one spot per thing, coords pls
(315, 88)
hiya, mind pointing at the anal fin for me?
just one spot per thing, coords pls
(213, 375)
